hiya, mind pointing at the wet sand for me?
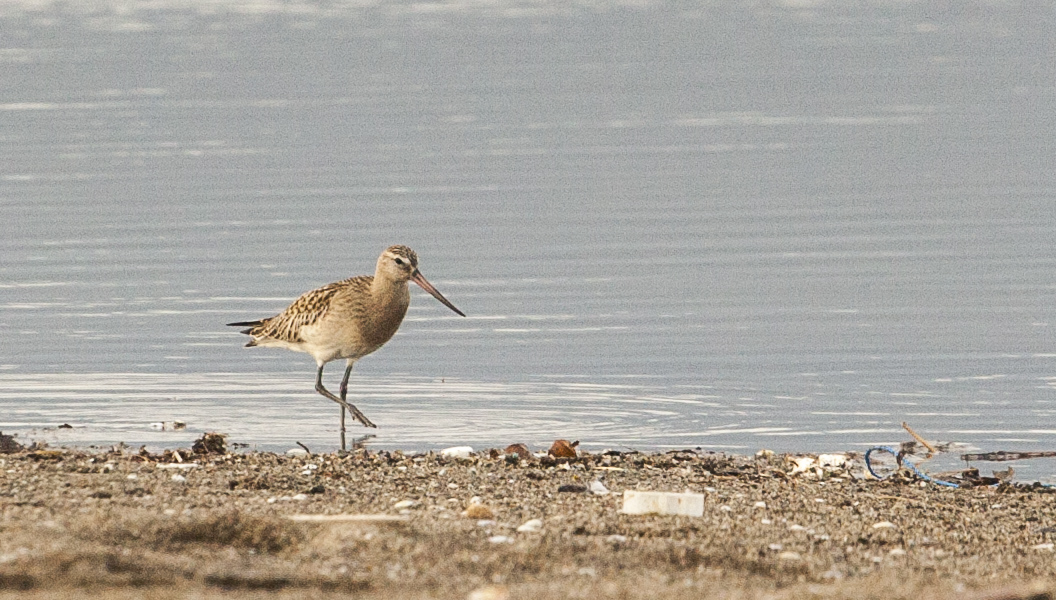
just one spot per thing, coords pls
(129, 524)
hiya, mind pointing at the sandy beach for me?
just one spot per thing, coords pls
(127, 524)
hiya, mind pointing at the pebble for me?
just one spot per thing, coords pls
(457, 452)
(178, 478)
(478, 511)
(663, 503)
(789, 555)
(531, 526)
(405, 504)
(884, 525)
(500, 539)
(597, 487)
(489, 592)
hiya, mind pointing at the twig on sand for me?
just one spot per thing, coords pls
(305, 448)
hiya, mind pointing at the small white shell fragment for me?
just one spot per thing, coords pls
(795, 527)
(178, 478)
(457, 452)
(789, 555)
(760, 504)
(884, 525)
(832, 460)
(776, 547)
(897, 552)
(1050, 546)
(500, 539)
(531, 526)
(637, 502)
(405, 504)
(802, 464)
(597, 487)
(616, 539)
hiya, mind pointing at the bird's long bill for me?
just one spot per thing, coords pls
(420, 280)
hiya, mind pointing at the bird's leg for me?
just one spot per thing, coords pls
(342, 409)
(352, 410)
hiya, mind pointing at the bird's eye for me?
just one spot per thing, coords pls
(399, 261)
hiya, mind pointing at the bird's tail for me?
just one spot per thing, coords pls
(251, 325)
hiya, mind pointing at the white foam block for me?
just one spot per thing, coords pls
(662, 503)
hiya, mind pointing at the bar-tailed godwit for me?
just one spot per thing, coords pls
(348, 319)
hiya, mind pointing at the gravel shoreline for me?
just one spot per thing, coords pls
(495, 526)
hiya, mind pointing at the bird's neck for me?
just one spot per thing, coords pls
(389, 294)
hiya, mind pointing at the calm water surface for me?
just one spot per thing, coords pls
(787, 225)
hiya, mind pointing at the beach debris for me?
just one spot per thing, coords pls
(563, 449)
(637, 502)
(181, 466)
(500, 539)
(461, 452)
(159, 425)
(764, 453)
(65, 426)
(519, 450)
(210, 443)
(1006, 475)
(819, 465)
(923, 442)
(346, 518)
(402, 504)
(616, 539)
(489, 592)
(884, 525)
(478, 510)
(8, 445)
(1004, 455)
(573, 488)
(789, 555)
(531, 526)
(297, 452)
(597, 487)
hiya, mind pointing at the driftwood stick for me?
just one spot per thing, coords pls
(919, 439)
(1002, 455)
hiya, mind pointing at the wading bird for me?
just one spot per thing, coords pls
(348, 319)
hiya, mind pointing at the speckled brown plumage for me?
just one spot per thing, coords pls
(347, 319)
